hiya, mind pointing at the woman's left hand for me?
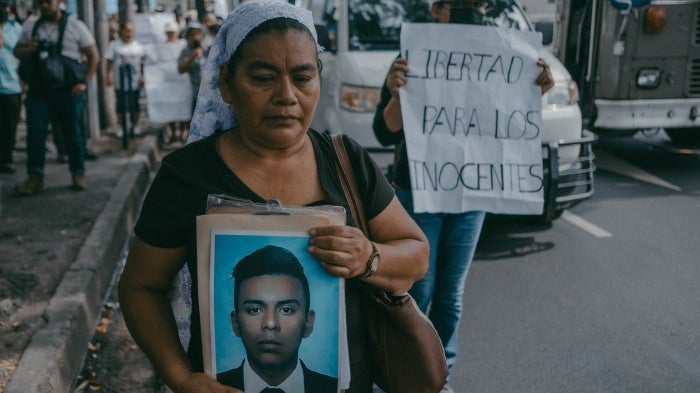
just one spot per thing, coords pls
(545, 79)
(342, 250)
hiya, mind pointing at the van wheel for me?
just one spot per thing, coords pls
(610, 133)
(550, 214)
(685, 136)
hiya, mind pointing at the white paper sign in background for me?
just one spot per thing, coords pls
(472, 118)
(169, 93)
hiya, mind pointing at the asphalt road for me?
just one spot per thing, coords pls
(607, 299)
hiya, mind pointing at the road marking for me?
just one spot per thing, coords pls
(608, 162)
(587, 226)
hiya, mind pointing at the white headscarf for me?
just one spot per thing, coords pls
(211, 112)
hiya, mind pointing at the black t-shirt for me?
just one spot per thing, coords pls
(179, 194)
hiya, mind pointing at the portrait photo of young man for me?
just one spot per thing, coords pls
(271, 315)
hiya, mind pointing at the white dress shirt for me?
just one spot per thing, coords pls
(254, 384)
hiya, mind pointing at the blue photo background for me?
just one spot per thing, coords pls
(319, 351)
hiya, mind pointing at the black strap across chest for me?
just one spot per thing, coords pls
(62, 23)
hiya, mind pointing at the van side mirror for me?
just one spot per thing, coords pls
(323, 38)
(546, 27)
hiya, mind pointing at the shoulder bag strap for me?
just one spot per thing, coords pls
(38, 23)
(61, 30)
(349, 183)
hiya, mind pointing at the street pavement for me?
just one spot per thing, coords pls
(59, 250)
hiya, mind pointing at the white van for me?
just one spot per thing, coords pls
(363, 40)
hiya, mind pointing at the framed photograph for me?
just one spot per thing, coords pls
(271, 316)
(272, 308)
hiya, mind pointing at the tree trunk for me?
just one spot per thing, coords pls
(201, 10)
(108, 118)
(124, 11)
(141, 6)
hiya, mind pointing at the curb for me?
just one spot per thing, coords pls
(55, 353)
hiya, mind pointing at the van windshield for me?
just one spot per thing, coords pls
(376, 24)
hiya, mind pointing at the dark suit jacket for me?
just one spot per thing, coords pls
(313, 382)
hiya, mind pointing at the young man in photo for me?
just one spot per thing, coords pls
(271, 316)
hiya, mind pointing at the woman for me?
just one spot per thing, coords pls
(264, 68)
(169, 53)
(452, 237)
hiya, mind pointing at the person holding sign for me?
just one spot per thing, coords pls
(261, 84)
(452, 236)
(272, 315)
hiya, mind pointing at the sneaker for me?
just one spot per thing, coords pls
(33, 185)
(7, 167)
(62, 158)
(135, 131)
(447, 389)
(79, 183)
(119, 133)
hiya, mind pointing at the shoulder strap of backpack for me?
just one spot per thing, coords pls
(62, 23)
(36, 26)
(62, 29)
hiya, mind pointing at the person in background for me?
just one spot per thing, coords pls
(113, 27)
(128, 55)
(43, 102)
(180, 20)
(209, 24)
(169, 54)
(10, 87)
(452, 237)
(192, 59)
(260, 88)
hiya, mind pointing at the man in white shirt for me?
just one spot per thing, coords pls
(272, 315)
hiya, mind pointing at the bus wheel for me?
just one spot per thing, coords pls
(685, 136)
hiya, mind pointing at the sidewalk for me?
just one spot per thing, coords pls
(58, 253)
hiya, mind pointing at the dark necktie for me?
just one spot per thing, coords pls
(272, 390)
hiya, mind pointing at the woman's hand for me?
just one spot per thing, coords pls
(342, 250)
(200, 382)
(397, 76)
(545, 79)
(394, 80)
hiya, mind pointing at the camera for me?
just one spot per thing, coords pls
(45, 49)
(197, 44)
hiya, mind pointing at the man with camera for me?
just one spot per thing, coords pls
(193, 57)
(51, 49)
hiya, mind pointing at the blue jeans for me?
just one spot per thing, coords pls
(452, 239)
(40, 108)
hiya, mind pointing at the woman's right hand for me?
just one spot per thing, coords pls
(203, 383)
(397, 76)
(394, 80)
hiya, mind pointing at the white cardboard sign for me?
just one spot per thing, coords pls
(472, 118)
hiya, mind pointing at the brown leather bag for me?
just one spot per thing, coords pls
(407, 355)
